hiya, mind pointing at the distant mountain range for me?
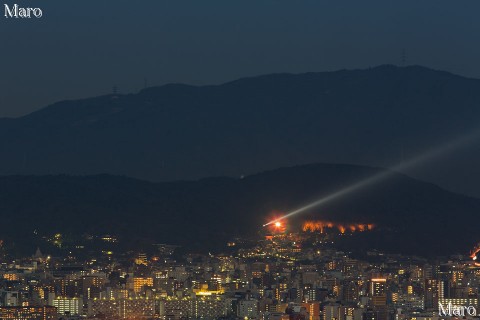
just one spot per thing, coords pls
(411, 216)
(377, 116)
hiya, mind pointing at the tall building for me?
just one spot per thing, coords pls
(247, 308)
(339, 312)
(122, 308)
(351, 291)
(208, 307)
(314, 294)
(378, 291)
(28, 313)
(174, 308)
(68, 306)
(91, 286)
(313, 309)
(331, 311)
(378, 295)
(433, 289)
(140, 282)
(377, 287)
(204, 307)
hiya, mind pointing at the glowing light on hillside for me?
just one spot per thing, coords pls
(473, 255)
(321, 226)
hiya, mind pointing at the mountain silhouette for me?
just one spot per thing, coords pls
(411, 216)
(378, 117)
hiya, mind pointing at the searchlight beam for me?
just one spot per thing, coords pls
(422, 158)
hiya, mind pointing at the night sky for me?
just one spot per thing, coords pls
(83, 48)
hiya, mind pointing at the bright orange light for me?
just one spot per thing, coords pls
(312, 226)
(474, 253)
(278, 227)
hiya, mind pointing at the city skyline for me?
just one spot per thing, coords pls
(239, 160)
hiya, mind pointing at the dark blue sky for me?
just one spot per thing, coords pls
(82, 48)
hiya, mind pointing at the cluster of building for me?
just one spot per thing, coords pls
(285, 276)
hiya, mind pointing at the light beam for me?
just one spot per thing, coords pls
(376, 178)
